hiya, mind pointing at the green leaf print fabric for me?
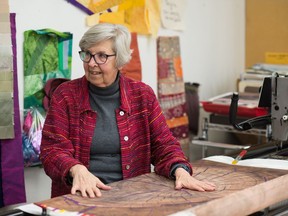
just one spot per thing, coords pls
(47, 54)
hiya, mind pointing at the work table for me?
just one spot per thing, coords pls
(239, 190)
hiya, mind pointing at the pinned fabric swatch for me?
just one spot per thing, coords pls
(47, 54)
(141, 16)
(6, 105)
(6, 75)
(133, 68)
(31, 136)
(171, 88)
(6, 116)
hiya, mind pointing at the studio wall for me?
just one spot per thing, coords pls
(212, 49)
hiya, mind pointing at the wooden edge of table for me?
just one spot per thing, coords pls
(243, 202)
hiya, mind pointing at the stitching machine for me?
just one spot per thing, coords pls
(274, 96)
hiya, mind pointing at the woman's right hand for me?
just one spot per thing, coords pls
(85, 182)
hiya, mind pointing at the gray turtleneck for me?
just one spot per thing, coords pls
(105, 158)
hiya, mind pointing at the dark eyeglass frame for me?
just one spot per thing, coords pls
(91, 55)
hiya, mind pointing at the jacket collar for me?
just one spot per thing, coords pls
(125, 94)
(125, 90)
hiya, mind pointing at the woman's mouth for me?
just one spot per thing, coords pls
(95, 72)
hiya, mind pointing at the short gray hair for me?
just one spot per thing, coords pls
(119, 35)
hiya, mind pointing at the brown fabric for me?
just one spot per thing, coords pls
(133, 68)
(192, 101)
(152, 194)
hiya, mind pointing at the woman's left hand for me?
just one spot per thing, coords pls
(185, 180)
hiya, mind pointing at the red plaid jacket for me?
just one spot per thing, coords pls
(145, 138)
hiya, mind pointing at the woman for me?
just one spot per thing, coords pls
(105, 127)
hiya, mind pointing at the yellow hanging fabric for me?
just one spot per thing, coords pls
(140, 16)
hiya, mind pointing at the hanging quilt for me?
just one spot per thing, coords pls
(171, 89)
(12, 187)
(47, 55)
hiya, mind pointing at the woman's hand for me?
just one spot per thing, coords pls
(85, 182)
(185, 180)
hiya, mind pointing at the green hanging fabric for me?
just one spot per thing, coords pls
(47, 54)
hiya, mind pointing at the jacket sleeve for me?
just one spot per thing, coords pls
(56, 149)
(166, 150)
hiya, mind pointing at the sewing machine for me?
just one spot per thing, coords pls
(273, 96)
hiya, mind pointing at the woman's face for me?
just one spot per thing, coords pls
(101, 75)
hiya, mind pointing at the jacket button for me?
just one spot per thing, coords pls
(127, 167)
(126, 138)
(121, 113)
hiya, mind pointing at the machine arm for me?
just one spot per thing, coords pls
(259, 121)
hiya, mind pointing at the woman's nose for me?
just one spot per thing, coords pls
(92, 62)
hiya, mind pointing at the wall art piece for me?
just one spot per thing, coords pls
(140, 16)
(171, 88)
(12, 187)
(47, 55)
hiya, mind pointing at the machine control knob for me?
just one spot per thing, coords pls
(284, 117)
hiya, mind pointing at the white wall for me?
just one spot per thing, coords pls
(212, 51)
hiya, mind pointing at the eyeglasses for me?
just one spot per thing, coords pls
(99, 58)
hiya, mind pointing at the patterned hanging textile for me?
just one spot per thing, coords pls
(12, 167)
(171, 90)
(47, 55)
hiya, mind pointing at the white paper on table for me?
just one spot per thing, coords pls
(254, 162)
